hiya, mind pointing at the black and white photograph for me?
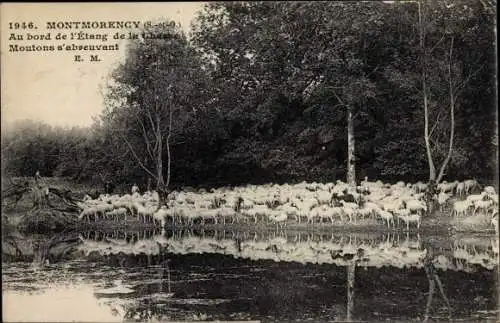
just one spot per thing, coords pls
(250, 161)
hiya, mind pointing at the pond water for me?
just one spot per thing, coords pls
(262, 276)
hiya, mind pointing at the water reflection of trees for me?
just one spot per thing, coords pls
(434, 280)
(151, 300)
(153, 306)
(350, 251)
(147, 309)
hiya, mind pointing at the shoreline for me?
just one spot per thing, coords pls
(429, 226)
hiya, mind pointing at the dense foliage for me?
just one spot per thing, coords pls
(259, 93)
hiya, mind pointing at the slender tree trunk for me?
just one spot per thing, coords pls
(351, 166)
(169, 157)
(160, 182)
(497, 174)
(452, 117)
(162, 193)
(162, 186)
(159, 155)
(432, 167)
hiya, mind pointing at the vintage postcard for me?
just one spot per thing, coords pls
(323, 161)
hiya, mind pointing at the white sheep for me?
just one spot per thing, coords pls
(325, 213)
(420, 187)
(460, 207)
(372, 207)
(494, 199)
(256, 211)
(471, 199)
(86, 212)
(460, 189)
(247, 204)
(143, 211)
(323, 197)
(337, 211)
(470, 184)
(351, 205)
(416, 206)
(290, 211)
(116, 213)
(350, 212)
(490, 190)
(365, 212)
(482, 205)
(446, 187)
(442, 199)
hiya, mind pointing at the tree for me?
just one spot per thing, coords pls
(271, 96)
(152, 96)
(303, 54)
(437, 64)
(445, 68)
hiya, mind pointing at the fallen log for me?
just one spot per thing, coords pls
(65, 195)
(44, 215)
(40, 196)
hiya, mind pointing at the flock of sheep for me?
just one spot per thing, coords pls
(304, 202)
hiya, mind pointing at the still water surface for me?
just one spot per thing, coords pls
(268, 276)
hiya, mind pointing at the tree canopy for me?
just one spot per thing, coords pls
(262, 91)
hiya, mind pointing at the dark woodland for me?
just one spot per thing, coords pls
(267, 92)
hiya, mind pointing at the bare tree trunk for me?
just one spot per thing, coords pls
(452, 116)
(160, 182)
(161, 188)
(432, 167)
(495, 141)
(351, 166)
(159, 158)
(163, 196)
(169, 157)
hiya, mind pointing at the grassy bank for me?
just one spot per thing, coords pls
(438, 223)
